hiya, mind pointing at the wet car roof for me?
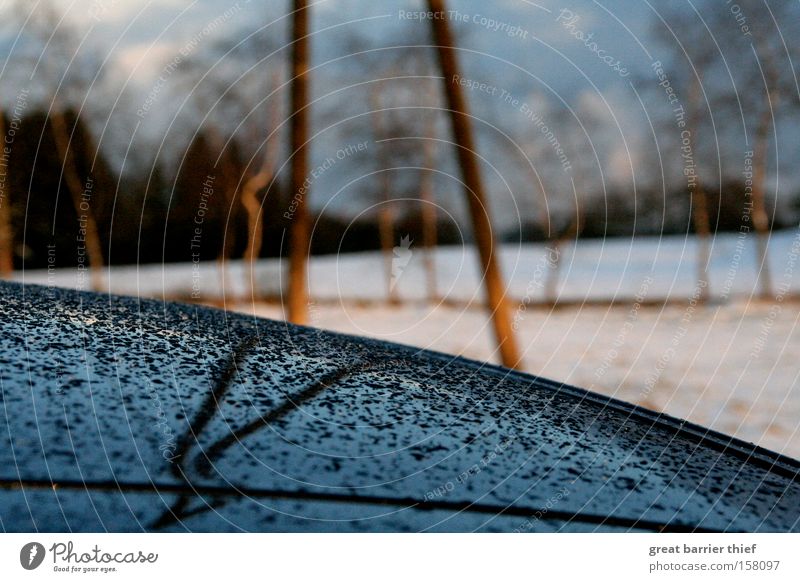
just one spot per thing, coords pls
(123, 414)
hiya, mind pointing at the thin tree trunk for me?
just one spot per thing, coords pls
(94, 249)
(255, 229)
(465, 147)
(428, 214)
(553, 250)
(385, 214)
(699, 199)
(760, 217)
(252, 203)
(552, 245)
(386, 233)
(703, 230)
(6, 228)
(229, 180)
(228, 234)
(299, 231)
(255, 226)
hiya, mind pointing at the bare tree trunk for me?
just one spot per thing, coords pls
(385, 214)
(255, 226)
(252, 204)
(300, 230)
(386, 233)
(6, 228)
(94, 249)
(228, 238)
(760, 217)
(462, 132)
(228, 185)
(703, 230)
(552, 271)
(699, 199)
(555, 250)
(552, 248)
(255, 229)
(428, 214)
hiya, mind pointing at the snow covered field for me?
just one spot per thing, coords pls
(731, 364)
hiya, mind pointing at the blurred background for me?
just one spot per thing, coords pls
(639, 163)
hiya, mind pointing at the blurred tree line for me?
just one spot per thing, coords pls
(234, 105)
(150, 218)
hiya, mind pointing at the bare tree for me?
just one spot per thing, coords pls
(83, 207)
(251, 188)
(767, 80)
(558, 212)
(386, 218)
(473, 190)
(693, 55)
(60, 68)
(217, 96)
(426, 117)
(399, 113)
(559, 230)
(697, 192)
(300, 228)
(537, 149)
(428, 205)
(405, 136)
(580, 129)
(212, 94)
(769, 53)
(233, 90)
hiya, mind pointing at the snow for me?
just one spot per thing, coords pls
(730, 365)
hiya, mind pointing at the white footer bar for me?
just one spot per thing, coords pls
(416, 557)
